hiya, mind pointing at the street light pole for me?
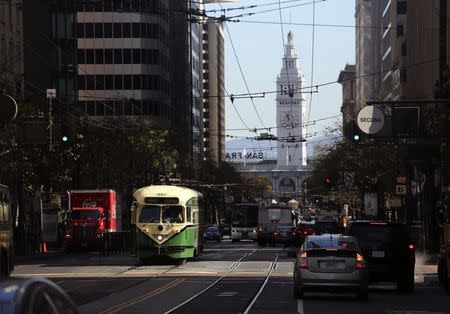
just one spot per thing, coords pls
(51, 93)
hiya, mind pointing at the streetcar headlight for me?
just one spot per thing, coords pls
(160, 237)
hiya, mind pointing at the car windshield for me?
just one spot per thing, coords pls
(150, 214)
(172, 214)
(86, 214)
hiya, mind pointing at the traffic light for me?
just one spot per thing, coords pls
(328, 182)
(65, 138)
(352, 132)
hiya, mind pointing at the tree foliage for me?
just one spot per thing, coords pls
(371, 164)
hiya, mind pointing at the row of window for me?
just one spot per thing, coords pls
(121, 82)
(118, 56)
(120, 30)
(144, 6)
(125, 107)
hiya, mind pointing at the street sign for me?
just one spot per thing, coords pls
(400, 189)
(229, 199)
(371, 204)
(51, 93)
(349, 178)
(8, 109)
(370, 120)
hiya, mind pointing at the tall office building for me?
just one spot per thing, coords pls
(11, 47)
(213, 91)
(123, 58)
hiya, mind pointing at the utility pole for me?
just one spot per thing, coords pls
(51, 93)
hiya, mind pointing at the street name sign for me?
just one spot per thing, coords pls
(370, 120)
(400, 189)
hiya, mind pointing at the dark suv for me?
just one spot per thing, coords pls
(388, 250)
(327, 226)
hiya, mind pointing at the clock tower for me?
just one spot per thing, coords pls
(291, 110)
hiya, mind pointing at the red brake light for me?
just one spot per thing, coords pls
(377, 223)
(303, 264)
(359, 261)
(411, 247)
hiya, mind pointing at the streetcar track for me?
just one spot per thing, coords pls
(233, 267)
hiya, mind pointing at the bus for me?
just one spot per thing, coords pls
(244, 222)
(169, 222)
(6, 233)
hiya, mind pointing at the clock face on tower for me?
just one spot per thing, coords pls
(289, 120)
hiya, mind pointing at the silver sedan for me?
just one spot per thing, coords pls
(330, 262)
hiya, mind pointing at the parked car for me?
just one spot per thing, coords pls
(330, 263)
(213, 233)
(388, 250)
(284, 234)
(265, 234)
(34, 296)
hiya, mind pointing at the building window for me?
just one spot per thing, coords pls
(118, 56)
(117, 30)
(89, 28)
(127, 56)
(108, 56)
(90, 58)
(99, 56)
(118, 82)
(136, 82)
(136, 30)
(127, 85)
(90, 82)
(136, 56)
(126, 30)
(108, 30)
(99, 82)
(109, 82)
(98, 30)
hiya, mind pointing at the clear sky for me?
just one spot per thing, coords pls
(259, 49)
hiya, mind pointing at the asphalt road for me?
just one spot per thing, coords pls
(225, 279)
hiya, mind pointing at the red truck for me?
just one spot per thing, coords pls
(92, 215)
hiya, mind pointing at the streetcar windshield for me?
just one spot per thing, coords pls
(150, 214)
(173, 214)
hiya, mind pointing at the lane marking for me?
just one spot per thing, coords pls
(271, 268)
(232, 267)
(59, 282)
(144, 297)
(300, 309)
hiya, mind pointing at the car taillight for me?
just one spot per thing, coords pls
(276, 234)
(359, 261)
(303, 264)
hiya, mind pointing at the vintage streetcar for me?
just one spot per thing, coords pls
(168, 221)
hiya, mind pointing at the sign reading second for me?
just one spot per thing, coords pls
(370, 120)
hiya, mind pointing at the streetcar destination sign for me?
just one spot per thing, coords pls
(370, 120)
